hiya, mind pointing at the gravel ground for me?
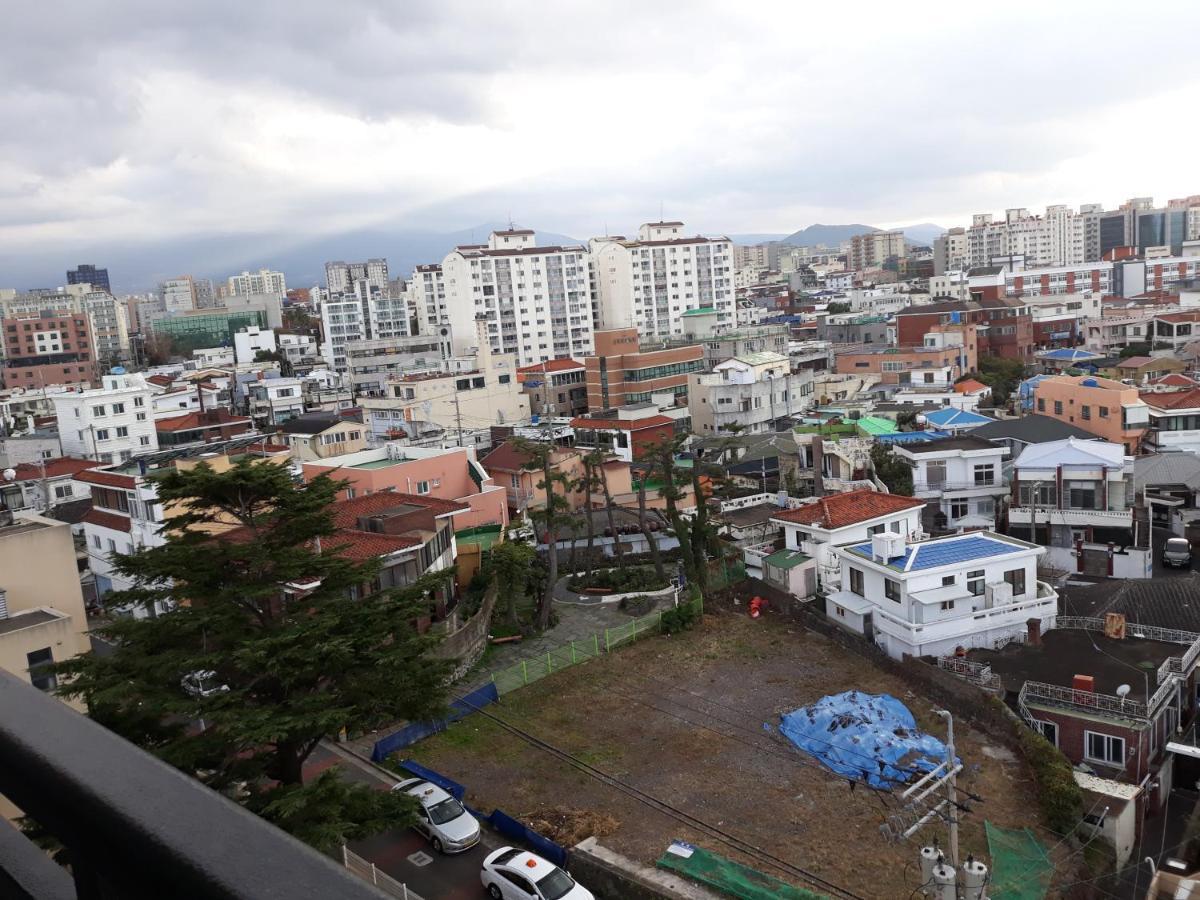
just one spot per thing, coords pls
(682, 718)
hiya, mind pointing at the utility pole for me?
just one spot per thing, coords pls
(458, 418)
(951, 786)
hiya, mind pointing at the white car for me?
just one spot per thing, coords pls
(512, 874)
(441, 818)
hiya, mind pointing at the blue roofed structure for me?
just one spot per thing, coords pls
(912, 437)
(954, 420)
(951, 551)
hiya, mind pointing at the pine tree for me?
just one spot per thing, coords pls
(334, 652)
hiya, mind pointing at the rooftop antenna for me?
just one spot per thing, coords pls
(661, 214)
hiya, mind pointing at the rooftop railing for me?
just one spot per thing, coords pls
(133, 826)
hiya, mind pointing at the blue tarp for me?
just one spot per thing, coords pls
(410, 734)
(864, 736)
(512, 828)
(449, 785)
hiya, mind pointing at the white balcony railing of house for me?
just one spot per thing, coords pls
(979, 674)
(1111, 517)
(1068, 698)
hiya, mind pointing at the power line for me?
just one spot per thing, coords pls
(662, 806)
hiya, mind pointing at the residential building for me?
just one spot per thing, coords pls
(43, 485)
(274, 401)
(49, 349)
(916, 366)
(1076, 499)
(269, 305)
(960, 479)
(819, 527)
(1116, 329)
(1174, 420)
(720, 345)
(1107, 409)
(932, 597)
(854, 328)
(342, 277)
(451, 474)
(42, 617)
(202, 291)
(300, 350)
(1078, 685)
(629, 433)
(950, 253)
(1174, 477)
(1173, 331)
(1058, 321)
(535, 302)
(1014, 435)
(649, 283)
(200, 427)
(427, 299)
(370, 363)
(1144, 369)
(178, 294)
(109, 327)
(873, 249)
(1064, 359)
(321, 435)
(366, 313)
(750, 393)
(471, 392)
(109, 424)
(264, 281)
(1003, 327)
(249, 342)
(556, 387)
(621, 372)
(513, 469)
(85, 273)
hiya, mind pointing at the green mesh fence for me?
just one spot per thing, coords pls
(729, 877)
(1020, 868)
(534, 668)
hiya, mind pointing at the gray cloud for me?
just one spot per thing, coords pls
(136, 123)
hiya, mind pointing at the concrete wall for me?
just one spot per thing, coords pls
(611, 876)
(38, 568)
(467, 643)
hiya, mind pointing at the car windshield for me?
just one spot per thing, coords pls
(557, 883)
(1178, 545)
(446, 811)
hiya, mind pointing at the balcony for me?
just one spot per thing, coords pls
(133, 826)
(1111, 518)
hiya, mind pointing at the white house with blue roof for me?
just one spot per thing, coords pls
(955, 421)
(932, 597)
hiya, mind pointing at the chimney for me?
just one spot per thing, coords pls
(1035, 632)
(1083, 683)
(3, 603)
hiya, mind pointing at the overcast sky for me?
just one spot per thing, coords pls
(138, 122)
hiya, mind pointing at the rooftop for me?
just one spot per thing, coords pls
(949, 551)
(875, 425)
(54, 468)
(786, 559)
(701, 311)
(970, 386)
(842, 510)
(750, 515)
(28, 619)
(1166, 469)
(960, 442)
(949, 416)
(1068, 354)
(1032, 429)
(551, 365)
(310, 423)
(1189, 399)
(1072, 452)
(1067, 652)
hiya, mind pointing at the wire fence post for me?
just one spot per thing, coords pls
(549, 664)
(572, 652)
(607, 642)
(596, 644)
(524, 672)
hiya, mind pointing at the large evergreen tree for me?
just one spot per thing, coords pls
(293, 630)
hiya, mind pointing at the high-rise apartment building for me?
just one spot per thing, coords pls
(536, 301)
(873, 249)
(340, 277)
(649, 283)
(204, 295)
(111, 423)
(950, 252)
(264, 281)
(52, 348)
(178, 294)
(427, 298)
(85, 273)
(365, 313)
(110, 328)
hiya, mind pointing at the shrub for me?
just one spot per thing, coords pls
(632, 579)
(1059, 797)
(637, 605)
(681, 618)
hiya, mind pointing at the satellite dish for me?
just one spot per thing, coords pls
(921, 420)
(10, 474)
(1123, 691)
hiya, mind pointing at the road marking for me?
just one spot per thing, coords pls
(420, 858)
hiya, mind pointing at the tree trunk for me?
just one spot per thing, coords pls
(588, 478)
(651, 540)
(612, 526)
(289, 763)
(666, 463)
(699, 536)
(543, 612)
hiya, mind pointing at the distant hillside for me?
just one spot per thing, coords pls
(826, 235)
(747, 240)
(925, 233)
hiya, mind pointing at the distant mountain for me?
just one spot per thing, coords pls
(826, 235)
(924, 234)
(747, 239)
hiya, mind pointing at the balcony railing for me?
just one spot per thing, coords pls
(1111, 517)
(133, 826)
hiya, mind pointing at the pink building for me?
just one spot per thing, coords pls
(451, 474)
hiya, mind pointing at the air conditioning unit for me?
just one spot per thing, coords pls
(887, 545)
(997, 594)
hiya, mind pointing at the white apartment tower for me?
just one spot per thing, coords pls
(178, 294)
(110, 424)
(341, 277)
(535, 301)
(648, 284)
(427, 298)
(264, 281)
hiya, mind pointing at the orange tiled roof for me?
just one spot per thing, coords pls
(970, 386)
(347, 512)
(840, 510)
(107, 520)
(55, 468)
(192, 420)
(1173, 399)
(550, 365)
(622, 424)
(108, 479)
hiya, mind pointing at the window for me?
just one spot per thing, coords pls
(856, 581)
(1048, 730)
(141, 417)
(504, 379)
(96, 541)
(1104, 748)
(118, 408)
(1103, 410)
(515, 480)
(986, 507)
(1041, 405)
(935, 473)
(975, 582)
(39, 662)
(122, 431)
(959, 509)
(102, 434)
(144, 440)
(948, 581)
(891, 589)
(62, 491)
(947, 605)
(1085, 412)
(1058, 407)
(1016, 577)
(138, 401)
(112, 546)
(422, 487)
(985, 475)
(98, 411)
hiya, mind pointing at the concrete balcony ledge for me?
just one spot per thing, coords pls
(1113, 518)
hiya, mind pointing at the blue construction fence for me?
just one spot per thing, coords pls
(501, 821)
(410, 734)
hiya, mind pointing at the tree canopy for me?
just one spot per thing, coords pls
(295, 638)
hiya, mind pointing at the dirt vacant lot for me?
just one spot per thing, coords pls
(682, 718)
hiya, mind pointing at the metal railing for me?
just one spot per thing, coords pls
(133, 826)
(979, 674)
(368, 872)
(1056, 695)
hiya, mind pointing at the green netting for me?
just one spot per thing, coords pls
(730, 877)
(1020, 868)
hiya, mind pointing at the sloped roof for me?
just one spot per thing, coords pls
(1067, 354)
(1189, 399)
(347, 512)
(1134, 362)
(1071, 452)
(875, 425)
(58, 467)
(959, 442)
(310, 423)
(1166, 468)
(1175, 379)
(1032, 429)
(193, 420)
(107, 520)
(951, 417)
(550, 365)
(970, 386)
(506, 458)
(621, 424)
(107, 479)
(841, 510)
